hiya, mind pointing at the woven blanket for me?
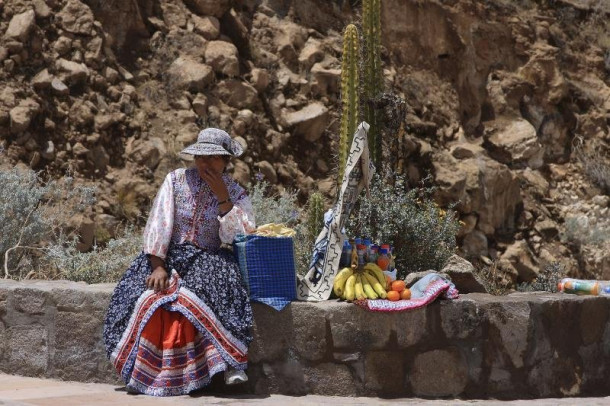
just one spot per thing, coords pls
(423, 292)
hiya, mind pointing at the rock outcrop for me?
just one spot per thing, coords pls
(502, 102)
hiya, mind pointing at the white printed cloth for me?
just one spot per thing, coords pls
(317, 284)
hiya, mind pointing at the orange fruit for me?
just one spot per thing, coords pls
(388, 282)
(398, 286)
(405, 294)
(393, 296)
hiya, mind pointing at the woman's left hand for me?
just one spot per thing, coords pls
(214, 180)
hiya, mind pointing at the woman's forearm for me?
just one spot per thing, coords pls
(156, 262)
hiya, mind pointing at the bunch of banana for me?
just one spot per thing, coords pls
(366, 283)
(376, 279)
(340, 282)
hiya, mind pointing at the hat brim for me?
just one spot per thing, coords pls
(213, 149)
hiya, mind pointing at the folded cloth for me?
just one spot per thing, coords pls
(275, 230)
(423, 292)
(268, 268)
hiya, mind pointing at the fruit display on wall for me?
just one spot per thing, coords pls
(368, 282)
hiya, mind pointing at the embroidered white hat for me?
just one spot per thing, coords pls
(214, 141)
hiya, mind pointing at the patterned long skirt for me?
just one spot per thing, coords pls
(172, 342)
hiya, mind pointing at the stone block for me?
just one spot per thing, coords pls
(78, 332)
(593, 318)
(330, 379)
(238, 94)
(69, 300)
(606, 341)
(99, 298)
(309, 122)
(355, 329)
(556, 324)
(27, 350)
(29, 300)
(79, 297)
(223, 57)
(461, 319)
(355, 362)
(300, 328)
(285, 377)
(385, 373)
(79, 352)
(438, 373)
(411, 327)
(20, 26)
(76, 18)
(309, 327)
(188, 73)
(462, 272)
(499, 380)
(271, 332)
(591, 362)
(511, 319)
(71, 366)
(106, 373)
(4, 299)
(516, 142)
(3, 340)
(542, 349)
(554, 377)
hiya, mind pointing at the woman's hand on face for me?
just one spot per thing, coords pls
(216, 183)
(158, 279)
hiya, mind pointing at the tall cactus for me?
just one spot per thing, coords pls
(373, 79)
(315, 215)
(349, 94)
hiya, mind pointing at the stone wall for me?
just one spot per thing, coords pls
(516, 346)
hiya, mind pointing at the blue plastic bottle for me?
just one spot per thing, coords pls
(346, 255)
(368, 252)
(374, 253)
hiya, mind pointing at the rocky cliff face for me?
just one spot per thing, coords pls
(505, 103)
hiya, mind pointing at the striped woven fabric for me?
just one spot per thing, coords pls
(174, 344)
(424, 292)
(172, 356)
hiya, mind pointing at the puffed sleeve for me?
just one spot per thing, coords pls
(240, 220)
(158, 231)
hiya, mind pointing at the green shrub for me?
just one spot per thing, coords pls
(33, 214)
(102, 264)
(307, 231)
(423, 235)
(315, 214)
(596, 168)
(580, 231)
(303, 248)
(20, 214)
(273, 209)
(283, 208)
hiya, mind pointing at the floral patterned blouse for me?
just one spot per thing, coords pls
(185, 209)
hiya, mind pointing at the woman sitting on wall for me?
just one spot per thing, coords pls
(181, 313)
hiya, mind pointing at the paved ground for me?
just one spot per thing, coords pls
(21, 391)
